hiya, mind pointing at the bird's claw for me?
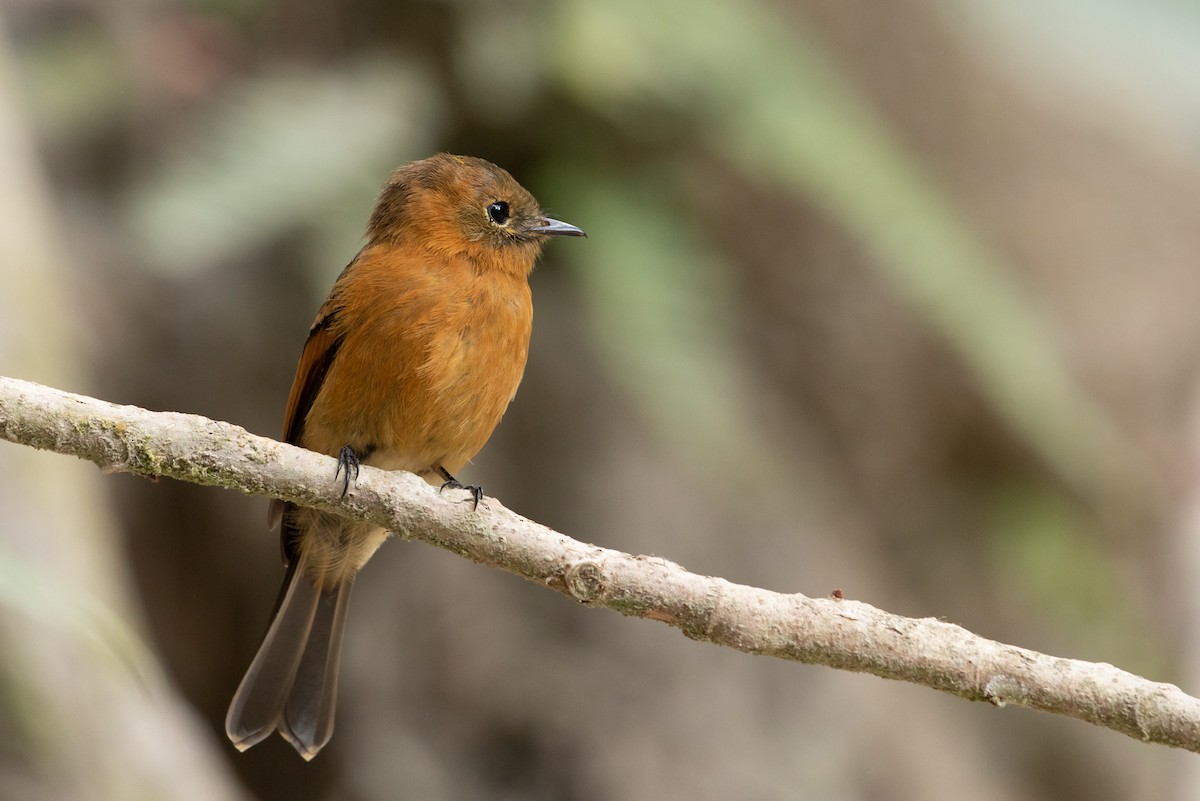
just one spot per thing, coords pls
(347, 461)
(475, 490)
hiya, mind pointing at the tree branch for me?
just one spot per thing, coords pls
(844, 634)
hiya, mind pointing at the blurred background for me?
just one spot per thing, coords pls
(899, 301)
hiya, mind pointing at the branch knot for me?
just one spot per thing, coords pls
(585, 582)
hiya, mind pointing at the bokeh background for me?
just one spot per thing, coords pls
(899, 299)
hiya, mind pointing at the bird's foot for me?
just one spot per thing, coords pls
(453, 483)
(348, 462)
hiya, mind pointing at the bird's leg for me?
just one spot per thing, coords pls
(348, 461)
(453, 483)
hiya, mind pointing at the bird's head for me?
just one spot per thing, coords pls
(463, 206)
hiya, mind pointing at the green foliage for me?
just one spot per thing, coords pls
(662, 313)
(42, 596)
(1066, 576)
(766, 96)
(274, 155)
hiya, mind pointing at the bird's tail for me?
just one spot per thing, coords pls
(292, 683)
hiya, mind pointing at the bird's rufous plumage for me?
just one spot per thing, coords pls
(409, 365)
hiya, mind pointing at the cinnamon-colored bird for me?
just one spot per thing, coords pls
(409, 365)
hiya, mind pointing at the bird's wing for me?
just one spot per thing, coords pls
(319, 351)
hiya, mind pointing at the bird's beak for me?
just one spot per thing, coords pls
(551, 227)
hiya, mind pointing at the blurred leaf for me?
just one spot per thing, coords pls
(772, 102)
(38, 594)
(497, 60)
(274, 154)
(74, 81)
(660, 309)
(1047, 550)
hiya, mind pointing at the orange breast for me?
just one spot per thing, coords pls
(430, 357)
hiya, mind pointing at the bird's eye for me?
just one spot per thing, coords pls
(498, 212)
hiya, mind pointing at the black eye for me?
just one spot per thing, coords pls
(498, 212)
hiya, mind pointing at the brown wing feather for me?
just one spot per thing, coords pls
(319, 351)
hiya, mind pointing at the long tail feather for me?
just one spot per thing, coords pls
(307, 721)
(292, 683)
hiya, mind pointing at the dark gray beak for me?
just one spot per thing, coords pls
(551, 227)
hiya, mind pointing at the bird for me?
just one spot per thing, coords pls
(410, 364)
